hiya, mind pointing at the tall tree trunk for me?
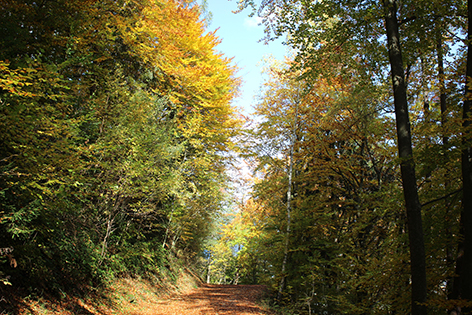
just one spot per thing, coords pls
(407, 166)
(208, 277)
(467, 172)
(462, 287)
(293, 137)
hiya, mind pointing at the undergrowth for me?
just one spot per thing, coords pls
(124, 293)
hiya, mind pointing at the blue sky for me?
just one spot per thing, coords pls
(240, 35)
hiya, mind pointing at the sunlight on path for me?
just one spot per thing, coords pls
(213, 299)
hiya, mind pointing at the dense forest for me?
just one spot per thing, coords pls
(361, 200)
(118, 132)
(115, 127)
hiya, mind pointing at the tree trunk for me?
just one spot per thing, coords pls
(288, 206)
(467, 172)
(407, 165)
(208, 277)
(462, 286)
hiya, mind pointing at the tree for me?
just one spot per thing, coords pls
(405, 152)
(342, 163)
(320, 30)
(463, 280)
(116, 121)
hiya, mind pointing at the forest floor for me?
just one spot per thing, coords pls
(211, 300)
(187, 296)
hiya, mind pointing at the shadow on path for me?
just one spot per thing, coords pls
(221, 299)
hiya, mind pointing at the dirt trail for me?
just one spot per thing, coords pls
(211, 300)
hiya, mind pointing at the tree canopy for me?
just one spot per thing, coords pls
(117, 132)
(116, 120)
(376, 190)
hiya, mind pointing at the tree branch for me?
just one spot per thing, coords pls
(442, 198)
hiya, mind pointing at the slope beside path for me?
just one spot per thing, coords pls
(135, 296)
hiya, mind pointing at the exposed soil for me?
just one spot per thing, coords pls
(135, 296)
(211, 300)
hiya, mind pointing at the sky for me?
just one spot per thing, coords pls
(240, 37)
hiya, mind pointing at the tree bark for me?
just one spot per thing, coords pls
(462, 286)
(467, 172)
(289, 209)
(407, 165)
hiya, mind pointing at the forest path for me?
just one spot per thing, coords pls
(212, 300)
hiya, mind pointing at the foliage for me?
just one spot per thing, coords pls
(115, 123)
(348, 240)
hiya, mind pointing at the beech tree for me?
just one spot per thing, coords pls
(116, 120)
(336, 132)
(405, 152)
(463, 280)
(319, 30)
